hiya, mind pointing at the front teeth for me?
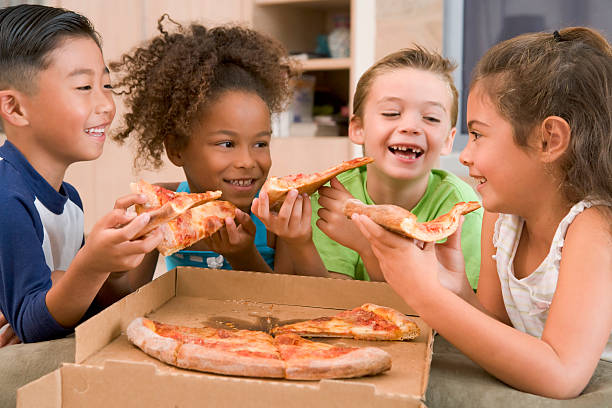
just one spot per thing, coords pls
(94, 130)
(405, 150)
(241, 182)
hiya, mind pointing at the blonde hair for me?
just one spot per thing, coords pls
(418, 58)
(567, 74)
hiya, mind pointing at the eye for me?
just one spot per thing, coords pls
(475, 135)
(108, 86)
(261, 144)
(431, 119)
(390, 114)
(84, 88)
(226, 143)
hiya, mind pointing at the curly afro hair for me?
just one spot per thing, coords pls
(172, 78)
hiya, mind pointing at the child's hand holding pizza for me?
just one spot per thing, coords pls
(332, 220)
(292, 223)
(112, 245)
(236, 239)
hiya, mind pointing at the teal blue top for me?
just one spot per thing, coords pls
(210, 259)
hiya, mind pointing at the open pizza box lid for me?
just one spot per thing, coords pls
(110, 371)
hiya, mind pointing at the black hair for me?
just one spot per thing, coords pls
(28, 34)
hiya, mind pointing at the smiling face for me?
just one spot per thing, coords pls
(406, 123)
(229, 149)
(503, 170)
(72, 106)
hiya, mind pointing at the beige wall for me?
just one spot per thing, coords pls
(124, 24)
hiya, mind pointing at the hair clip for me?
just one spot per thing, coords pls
(557, 36)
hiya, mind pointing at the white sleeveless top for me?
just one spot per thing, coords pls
(528, 300)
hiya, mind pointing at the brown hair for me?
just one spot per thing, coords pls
(172, 78)
(418, 58)
(567, 74)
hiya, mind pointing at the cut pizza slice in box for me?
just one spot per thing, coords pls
(111, 371)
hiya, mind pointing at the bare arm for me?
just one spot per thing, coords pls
(109, 248)
(338, 227)
(560, 364)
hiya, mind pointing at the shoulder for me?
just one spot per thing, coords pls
(592, 225)
(73, 194)
(446, 183)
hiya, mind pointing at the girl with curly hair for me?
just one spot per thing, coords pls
(205, 97)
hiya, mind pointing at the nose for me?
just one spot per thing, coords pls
(409, 125)
(104, 102)
(465, 157)
(244, 158)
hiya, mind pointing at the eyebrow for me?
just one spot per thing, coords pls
(85, 71)
(395, 98)
(232, 133)
(473, 122)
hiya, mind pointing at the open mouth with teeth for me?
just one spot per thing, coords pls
(95, 131)
(241, 182)
(406, 152)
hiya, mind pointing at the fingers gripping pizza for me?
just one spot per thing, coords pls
(278, 187)
(253, 353)
(164, 205)
(367, 322)
(193, 216)
(402, 221)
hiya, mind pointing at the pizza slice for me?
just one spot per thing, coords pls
(193, 225)
(220, 351)
(309, 360)
(253, 353)
(402, 221)
(367, 322)
(164, 205)
(278, 187)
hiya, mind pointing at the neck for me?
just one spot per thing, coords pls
(387, 190)
(542, 216)
(49, 168)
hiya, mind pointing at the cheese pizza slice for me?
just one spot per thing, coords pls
(309, 360)
(164, 205)
(278, 187)
(193, 225)
(367, 322)
(402, 221)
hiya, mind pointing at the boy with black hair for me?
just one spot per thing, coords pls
(56, 106)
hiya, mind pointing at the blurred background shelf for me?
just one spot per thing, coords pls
(325, 64)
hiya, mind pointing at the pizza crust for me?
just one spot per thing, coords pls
(277, 188)
(236, 353)
(357, 363)
(403, 222)
(162, 348)
(196, 357)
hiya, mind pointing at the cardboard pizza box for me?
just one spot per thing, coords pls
(110, 371)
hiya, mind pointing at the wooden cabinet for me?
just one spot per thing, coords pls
(377, 27)
(300, 25)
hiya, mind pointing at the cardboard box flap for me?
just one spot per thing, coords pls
(46, 392)
(140, 384)
(287, 289)
(95, 333)
(254, 301)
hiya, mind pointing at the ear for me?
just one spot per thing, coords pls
(174, 154)
(11, 108)
(555, 134)
(447, 148)
(356, 132)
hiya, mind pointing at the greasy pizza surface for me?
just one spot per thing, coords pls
(253, 353)
(402, 221)
(367, 322)
(278, 187)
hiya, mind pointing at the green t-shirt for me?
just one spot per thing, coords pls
(444, 190)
